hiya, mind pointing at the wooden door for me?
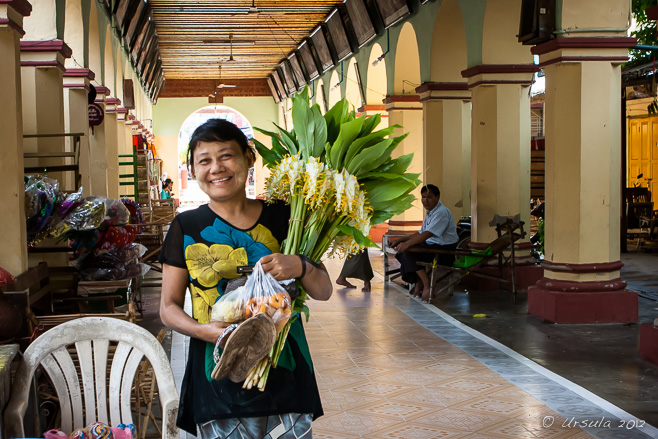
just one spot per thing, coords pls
(642, 152)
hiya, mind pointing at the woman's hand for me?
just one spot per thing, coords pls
(315, 280)
(218, 328)
(282, 267)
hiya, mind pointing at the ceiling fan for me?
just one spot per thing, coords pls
(253, 10)
(221, 84)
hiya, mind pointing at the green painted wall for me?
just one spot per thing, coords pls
(170, 113)
(473, 16)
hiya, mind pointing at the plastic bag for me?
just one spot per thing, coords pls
(119, 264)
(42, 200)
(260, 294)
(87, 216)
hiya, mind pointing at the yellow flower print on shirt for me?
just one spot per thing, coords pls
(262, 234)
(208, 265)
(202, 302)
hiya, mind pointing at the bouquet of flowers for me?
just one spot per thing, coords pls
(338, 175)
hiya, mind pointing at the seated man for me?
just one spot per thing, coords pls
(437, 232)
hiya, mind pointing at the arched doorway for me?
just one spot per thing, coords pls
(190, 192)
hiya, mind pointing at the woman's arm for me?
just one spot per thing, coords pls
(315, 281)
(174, 286)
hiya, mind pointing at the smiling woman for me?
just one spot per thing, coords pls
(202, 252)
(194, 193)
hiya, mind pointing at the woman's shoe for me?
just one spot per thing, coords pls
(245, 347)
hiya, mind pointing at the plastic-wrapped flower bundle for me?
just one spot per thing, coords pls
(103, 243)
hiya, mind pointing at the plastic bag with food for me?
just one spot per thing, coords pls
(260, 294)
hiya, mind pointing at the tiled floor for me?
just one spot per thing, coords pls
(391, 367)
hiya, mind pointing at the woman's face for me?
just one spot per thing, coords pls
(221, 169)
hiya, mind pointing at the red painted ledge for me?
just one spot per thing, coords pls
(79, 73)
(442, 86)
(23, 7)
(584, 43)
(47, 46)
(595, 267)
(401, 98)
(500, 68)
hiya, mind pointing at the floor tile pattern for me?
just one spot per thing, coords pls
(389, 366)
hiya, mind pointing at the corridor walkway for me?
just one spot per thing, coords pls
(389, 366)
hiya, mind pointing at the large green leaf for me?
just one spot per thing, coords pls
(310, 126)
(363, 161)
(401, 164)
(376, 176)
(363, 142)
(320, 131)
(359, 237)
(348, 132)
(392, 208)
(397, 140)
(386, 191)
(289, 140)
(370, 124)
(334, 117)
(276, 142)
(270, 157)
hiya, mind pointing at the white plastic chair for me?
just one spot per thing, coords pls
(86, 386)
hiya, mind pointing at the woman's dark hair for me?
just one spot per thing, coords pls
(217, 130)
(165, 183)
(432, 188)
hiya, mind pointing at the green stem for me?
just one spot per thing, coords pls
(329, 234)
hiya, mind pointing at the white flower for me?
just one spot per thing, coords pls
(339, 184)
(314, 170)
(351, 186)
(294, 170)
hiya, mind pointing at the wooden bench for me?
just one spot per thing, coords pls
(50, 294)
(472, 262)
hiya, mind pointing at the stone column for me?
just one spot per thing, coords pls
(77, 82)
(406, 111)
(500, 158)
(582, 282)
(500, 144)
(111, 146)
(125, 131)
(447, 142)
(121, 134)
(13, 257)
(97, 148)
(42, 67)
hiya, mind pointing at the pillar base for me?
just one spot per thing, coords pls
(526, 276)
(649, 343)
(618, 306)
(377, 231)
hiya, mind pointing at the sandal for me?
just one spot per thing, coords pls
(245, 347)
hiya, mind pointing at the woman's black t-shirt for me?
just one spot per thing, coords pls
(210, 249)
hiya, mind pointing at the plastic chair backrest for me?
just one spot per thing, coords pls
(84, 392)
